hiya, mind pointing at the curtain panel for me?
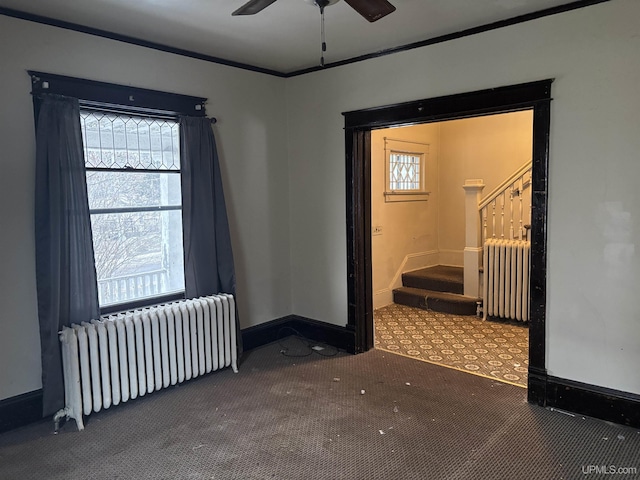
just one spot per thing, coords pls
(65, 272)
(208, 256)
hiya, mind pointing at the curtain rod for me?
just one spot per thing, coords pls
(93, 91)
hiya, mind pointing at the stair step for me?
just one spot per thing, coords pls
(440, 278)
(436, 301)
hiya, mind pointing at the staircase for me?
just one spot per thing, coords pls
(438, 288)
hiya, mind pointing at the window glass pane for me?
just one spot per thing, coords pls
(125, 141)
(404, 171)
(138, 255)
(132, 189)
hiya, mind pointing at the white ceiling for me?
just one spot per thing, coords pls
(286, 35)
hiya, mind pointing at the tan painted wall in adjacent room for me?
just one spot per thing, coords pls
(491, 148)
(409, 229)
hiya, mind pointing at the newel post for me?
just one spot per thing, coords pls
(473, 237)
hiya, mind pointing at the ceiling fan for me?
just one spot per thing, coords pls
(372, 10)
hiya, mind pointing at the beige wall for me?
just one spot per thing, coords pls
(593, 266)
(409, 229)
(491, 148)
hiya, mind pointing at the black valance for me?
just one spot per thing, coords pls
(120, 98)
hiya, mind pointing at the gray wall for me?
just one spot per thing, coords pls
(251, 134)
(593, 311)
(282, 154)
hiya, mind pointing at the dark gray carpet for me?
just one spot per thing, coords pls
(307, 418)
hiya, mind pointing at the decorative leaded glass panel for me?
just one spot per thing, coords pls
(404, 171)
(129, 142)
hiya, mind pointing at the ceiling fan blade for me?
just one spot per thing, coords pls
(372, 10)
(252, 7)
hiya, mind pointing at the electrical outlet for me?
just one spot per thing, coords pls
(377, 230)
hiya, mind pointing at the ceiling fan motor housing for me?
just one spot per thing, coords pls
(321, 3)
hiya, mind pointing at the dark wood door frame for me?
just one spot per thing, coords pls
(534, 96)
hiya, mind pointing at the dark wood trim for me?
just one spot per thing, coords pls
(20, 410)
(538, 232)
(454, 36)
(265, 333)
(334, 335)
(593, 401)
(9, 12)
(141, 304)
(244, 66)
(537, 386)
(470, 104)
(359, 273)
(358, 126)
(115, 97)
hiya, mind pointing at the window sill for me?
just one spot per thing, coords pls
(406, 196)
(114, 308)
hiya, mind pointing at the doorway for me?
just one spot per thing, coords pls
(422, 307)
(358, 127)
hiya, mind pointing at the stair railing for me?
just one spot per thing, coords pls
(506, 211)
(506, 207)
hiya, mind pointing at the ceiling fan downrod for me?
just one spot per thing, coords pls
(322, 4)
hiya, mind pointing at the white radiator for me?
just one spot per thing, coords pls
(121, 357)
(506, 279)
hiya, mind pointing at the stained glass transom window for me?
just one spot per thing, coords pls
(130, 142)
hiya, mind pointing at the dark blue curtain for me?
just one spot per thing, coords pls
(208, 256)
(65, 271)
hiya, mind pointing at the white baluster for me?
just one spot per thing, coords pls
(484, 224)
(502, 217)
(521, 231)
(493, 219)
(511, 213)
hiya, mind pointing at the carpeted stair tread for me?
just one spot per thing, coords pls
(435, 300)
(440, 278)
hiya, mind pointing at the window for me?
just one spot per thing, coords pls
(406, 175)
(133, 186)
(134, 172)
(405, 171)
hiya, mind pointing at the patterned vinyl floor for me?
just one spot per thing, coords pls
(493, 349)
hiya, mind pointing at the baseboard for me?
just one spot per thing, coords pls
(452, 258)
(20, 410)
(593, 401)
(264, 333)
(413, 261)
(382, 298)
(537, 386)
(336, 336)
(582, 398)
